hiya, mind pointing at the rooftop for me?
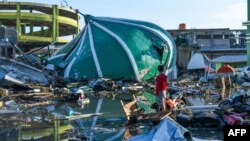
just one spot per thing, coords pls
(230, 59)
(222, 49)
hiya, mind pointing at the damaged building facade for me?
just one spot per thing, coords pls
(213, 42)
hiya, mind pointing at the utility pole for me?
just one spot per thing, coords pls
(247, 23)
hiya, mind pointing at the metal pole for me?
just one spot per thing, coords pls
(248, 32)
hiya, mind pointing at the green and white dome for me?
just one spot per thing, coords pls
(117, 49)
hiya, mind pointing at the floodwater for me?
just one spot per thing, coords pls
(42, 126)
(37, 124)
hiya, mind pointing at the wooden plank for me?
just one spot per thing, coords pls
(131, 109)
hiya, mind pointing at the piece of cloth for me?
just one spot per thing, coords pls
(170, 104)
(161, 83)
(161, 100)
(238, 120)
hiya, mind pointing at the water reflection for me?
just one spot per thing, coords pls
(40, 124)
(29, 126)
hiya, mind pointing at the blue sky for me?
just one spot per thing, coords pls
(167, 13)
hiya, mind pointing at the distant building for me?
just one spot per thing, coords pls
(212, 42)
(219, 38)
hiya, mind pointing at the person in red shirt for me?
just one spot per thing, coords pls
(161, 88)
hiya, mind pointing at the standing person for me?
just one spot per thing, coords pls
(161, 88)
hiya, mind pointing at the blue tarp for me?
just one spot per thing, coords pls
(167, 130)
(2, 74)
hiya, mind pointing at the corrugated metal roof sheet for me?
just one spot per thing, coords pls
(222, 49)
(230, 59)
